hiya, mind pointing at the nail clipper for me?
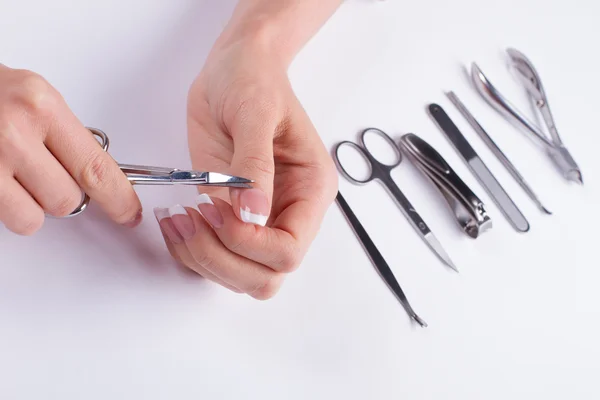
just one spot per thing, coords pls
(468, 209)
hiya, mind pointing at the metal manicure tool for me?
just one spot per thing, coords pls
(468, 209)
(382, 172)
(528, 76)
(146, 175)
(496, 150)
(377, 259)
(479, 169)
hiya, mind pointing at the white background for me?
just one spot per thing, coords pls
(90, 311)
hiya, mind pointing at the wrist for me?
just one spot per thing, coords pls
(278, 29)
(263, 36)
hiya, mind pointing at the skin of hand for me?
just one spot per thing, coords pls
(245, 120)
(47, 157)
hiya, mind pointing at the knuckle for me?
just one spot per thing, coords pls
(237, 242)
(63, 206)
(29, 226)
(8, 138)
(257, 163)
(290, 259)
(267, 289)
(34, 93)
(203, 260)
(96, 173)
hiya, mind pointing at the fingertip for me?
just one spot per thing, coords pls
(136, 220)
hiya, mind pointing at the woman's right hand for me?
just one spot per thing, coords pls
(47, 157)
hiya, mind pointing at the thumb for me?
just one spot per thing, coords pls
(253, 159)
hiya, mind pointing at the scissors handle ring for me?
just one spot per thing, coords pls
(368, 158)
(389, 141)
(104, 142)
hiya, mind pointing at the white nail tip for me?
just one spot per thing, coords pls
(204, 199)
(177, 210)
(161, 213)
(252, 218)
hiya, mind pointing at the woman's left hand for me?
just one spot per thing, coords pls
(244, 120)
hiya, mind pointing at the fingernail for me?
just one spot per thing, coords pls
(135, 221)
(254, 207)
(166, 225)
(209, 211)
(182, 221)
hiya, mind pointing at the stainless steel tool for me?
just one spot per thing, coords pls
(377, 259)
(382, 172)
(496, 150)
(479, 169)
(530, 79)
(148, 175)
(468, 209)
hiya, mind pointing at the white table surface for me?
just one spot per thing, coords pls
(90, 311)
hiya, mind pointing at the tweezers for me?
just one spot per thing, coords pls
(530, 79)
(377, 259)
(468, 209)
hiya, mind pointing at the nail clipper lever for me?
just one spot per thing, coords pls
(468, 209)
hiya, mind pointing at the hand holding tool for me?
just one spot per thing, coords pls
(147, 175)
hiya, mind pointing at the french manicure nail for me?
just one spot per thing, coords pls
(209, 211)
(166, 225)
(254, 207)
(182, 221)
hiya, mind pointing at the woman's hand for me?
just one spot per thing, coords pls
(244, 120)
(47, 156)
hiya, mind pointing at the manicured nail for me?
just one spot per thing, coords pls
(182, 221)
(135, 221)
(166, 225)
(254, 207)
(209, 211)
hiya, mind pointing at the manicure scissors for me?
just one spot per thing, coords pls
(147, 175)
(382, 172)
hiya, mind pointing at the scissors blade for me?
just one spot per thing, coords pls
(439, 250)
(215, 178)
(209, 179)
(417, 222)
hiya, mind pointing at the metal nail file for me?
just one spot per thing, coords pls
(479, 169)
(496, 150)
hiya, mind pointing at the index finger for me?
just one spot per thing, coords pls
(95, 171)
